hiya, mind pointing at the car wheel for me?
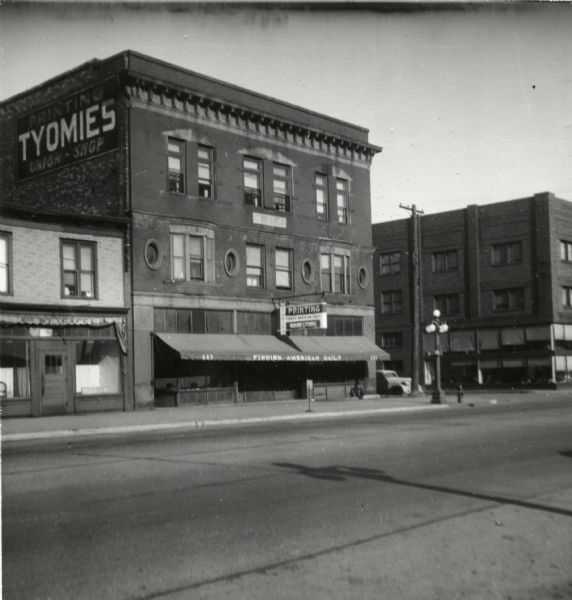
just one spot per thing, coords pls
(396, 391)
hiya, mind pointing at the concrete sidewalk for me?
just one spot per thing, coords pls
(204, 416)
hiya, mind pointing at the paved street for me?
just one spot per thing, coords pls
(458, 503)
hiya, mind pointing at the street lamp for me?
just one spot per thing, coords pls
(437, 327)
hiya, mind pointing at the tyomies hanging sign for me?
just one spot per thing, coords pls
(75, 128)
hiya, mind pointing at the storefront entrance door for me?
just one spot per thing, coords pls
(55, 377)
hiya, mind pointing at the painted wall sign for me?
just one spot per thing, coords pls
(73, 129)
(269, 220)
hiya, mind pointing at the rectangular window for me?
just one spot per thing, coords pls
(78, 269)
(508, 300)
(342, 200)
(5, 260)
(284, 269)
(176, 165)
(15, 367)
(448, 304)
(445, 261)
(507, 254)
(192, 257)
(392, 340)
(566, 251)
(321, 186)
(281, 181)
(326, 272)
(391, 302)
(341, 274)
(196, 257)
(567, 297)
(254, 266)
(252, 181)
(390, 263)
(205, 171)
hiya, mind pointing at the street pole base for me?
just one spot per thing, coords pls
(436, 398)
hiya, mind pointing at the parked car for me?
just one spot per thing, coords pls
(389, 382)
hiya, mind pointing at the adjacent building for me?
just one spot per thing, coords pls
(501, 276)
(171, 239)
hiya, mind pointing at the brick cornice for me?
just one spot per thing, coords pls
(225, 113)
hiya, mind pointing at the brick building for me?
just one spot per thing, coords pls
(501, 275)
(230, 209)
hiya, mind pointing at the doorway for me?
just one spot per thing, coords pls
(55, 381)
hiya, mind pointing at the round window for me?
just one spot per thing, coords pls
(363, 278)
(307, 271)
(152, 254)
(231, 263)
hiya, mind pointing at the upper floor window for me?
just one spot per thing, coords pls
(205, 171)
(508, 300)
(5, 260)
(390, 263)
(341, 274)
(445, 261)
(448, 304)
(393, 339)
(335, 273)
(342, 200)
(284, 269)
(566, 251)
(281, 181)
(78, 269)
(192, 257)
(507, 253)
(252, 179)
(567, 297)
(391, 302)
(321, 187)
(326, 272)
(254, 266)
(176, 165)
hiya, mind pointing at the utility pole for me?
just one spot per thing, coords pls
(415, 261)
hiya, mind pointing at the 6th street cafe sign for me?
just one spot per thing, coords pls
(72, 129)
(294, 317)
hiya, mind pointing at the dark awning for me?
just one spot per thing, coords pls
(204, 346)
(258, 348)
(338, 348)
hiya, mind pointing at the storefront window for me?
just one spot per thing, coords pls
(97, 368)
(14, 369)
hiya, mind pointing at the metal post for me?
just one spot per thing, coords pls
(436, 399)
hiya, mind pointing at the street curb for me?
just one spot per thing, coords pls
(203, 424)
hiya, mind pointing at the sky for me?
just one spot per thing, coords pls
(471, 104)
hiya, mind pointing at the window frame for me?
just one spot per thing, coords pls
(513, 303)
(395, 298)
(253, 196)
(342, 209)
(77, 246)
(444, 303)
(6, 267)
(206, 259)
(176, 180)
(445, 257)
(260, 271)
(282, 202)
(392, 339)
(203, 183)
(323, 188)
(566, 297)
(566, 251)
(507, 248)
(394, 265)
(280, 269)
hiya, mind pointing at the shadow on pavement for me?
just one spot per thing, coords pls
(334, 473)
